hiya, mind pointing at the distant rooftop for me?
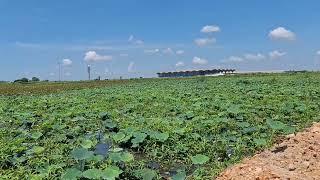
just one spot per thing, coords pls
(187, 73)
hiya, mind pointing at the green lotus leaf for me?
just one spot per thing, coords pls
(121, 156)
(111, 173)
(126, 157)
(159, 136)
(148, 174)
(92, 174)
(276, 125)
(181, 175)
(138, 138)
(199, 159)
(118, 137)
(72, 174)
(87, 143)
(115, 157)
(37, 149)
(260, 142)
(81, 154)
(110, 125)
(36, 135)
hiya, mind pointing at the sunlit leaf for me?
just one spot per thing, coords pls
(119, 136)
(71, 174)
(36, 135)
(111, 173)
(38, 149)
(199, 159)
(92, 174)
(87, 143)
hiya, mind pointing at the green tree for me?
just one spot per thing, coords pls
(35, 79)
(22, 80)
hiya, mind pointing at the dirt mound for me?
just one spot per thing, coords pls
(297, 157)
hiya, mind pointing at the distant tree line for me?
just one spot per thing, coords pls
(26, 80)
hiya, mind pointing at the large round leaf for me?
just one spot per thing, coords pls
(121, 156)
(181, 175)
(111, 173)
(87, 143)
(199, 159)
(37, 149)
(92, 174)
(81, 154)
(71, 174)
(138, 138)
(119, 136)
(126, 157)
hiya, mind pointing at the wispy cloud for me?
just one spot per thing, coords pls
(199, 61)
(276, 54)
(233, 59)
(168, 51)
(134, 40)
(66, 62)
(204, 41)
(30, 45)
(180, 52)
(151, 51)
(210, 29)
(179, 64)
(254, 57)
(92, 56)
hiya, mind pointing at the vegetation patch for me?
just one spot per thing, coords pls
(161, 128)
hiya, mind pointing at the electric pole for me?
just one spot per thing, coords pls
(89, 72)
(59, 66)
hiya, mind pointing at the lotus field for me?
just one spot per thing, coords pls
(188, 128)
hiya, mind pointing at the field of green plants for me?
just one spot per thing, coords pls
(177, 129)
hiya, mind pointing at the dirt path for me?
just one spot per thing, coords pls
(298, 157)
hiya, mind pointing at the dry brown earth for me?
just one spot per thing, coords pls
(297, 157)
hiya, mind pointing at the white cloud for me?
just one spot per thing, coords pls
(233, 59)
(167, 51)
(254, 57)
(131, 67)
(151, 51)
(94, 57)
(199, 61)
(66, 62)
(51, 74)
(276, 54)
(179, 52)
(180, 64)
(133, 40)
(204, 41)
(210, 29)
(318, 52)
(282, 33)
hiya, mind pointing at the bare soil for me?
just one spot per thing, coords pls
(297, 157)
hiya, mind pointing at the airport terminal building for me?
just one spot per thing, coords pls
(195, 73)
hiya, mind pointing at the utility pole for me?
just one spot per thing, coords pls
(59, 65)
(89, 72)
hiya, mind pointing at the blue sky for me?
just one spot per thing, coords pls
(135, 38)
